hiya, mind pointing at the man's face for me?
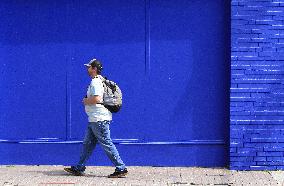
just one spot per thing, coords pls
(91, 70)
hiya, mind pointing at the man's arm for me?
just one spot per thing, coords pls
(92, 100)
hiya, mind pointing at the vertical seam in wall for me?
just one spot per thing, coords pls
(69, 121)
(68, 88)
(68, 106)
(228, 15)
(147, 37)
(66, 99)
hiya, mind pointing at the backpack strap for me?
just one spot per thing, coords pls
(103, 78)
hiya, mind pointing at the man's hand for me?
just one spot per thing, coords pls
(91, 100)
(85, 101)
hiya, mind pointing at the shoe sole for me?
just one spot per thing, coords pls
(118, 176)
(73, 173)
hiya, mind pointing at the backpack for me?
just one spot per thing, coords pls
(112, 98)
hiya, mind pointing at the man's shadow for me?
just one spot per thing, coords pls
(63, 173)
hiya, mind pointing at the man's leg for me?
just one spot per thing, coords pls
(102, 133)
(89, 145)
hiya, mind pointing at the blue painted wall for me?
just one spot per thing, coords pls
(170, 58)
(257, 82)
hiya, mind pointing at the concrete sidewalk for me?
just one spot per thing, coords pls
(97, 175)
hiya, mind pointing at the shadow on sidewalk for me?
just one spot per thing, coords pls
(63, 173)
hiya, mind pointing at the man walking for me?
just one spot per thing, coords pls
(98, 130)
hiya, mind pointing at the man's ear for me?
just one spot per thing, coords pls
(95, 68)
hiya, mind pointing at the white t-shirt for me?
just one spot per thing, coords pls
(97, 112)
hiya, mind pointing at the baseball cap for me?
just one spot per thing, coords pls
(95, 63)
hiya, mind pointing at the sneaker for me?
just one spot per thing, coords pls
(118, 174)
(74, 171)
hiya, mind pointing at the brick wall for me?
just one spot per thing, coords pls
(257, 85)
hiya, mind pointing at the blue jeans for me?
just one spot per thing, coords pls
(98, 132)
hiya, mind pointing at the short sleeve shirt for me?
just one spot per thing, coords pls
(97, 112)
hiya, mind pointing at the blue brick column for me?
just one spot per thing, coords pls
(257, 85)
